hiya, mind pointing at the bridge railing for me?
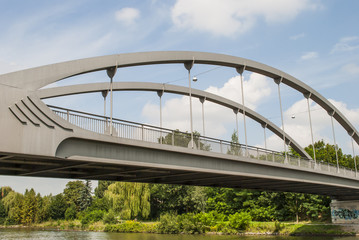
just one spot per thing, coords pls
(144, 132)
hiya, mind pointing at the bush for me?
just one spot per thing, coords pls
(212, 218)
(263, 214)
(127, 227)
(191, 223)
(70, 213)
(168, 224)
(92, 216)
(109, 218)
(239, 221)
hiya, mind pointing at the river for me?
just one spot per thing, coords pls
(29, 234)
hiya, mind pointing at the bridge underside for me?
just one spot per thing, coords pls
(84, 162)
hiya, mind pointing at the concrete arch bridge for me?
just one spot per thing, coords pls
(52, 141)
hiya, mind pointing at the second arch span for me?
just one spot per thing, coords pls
(145, 86)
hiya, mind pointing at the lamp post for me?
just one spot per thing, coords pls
(188, 65)
(111, 73)
(160, 94)
(104, 95)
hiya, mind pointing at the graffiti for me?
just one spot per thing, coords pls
(346, 214)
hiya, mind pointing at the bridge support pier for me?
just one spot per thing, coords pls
(345, 212)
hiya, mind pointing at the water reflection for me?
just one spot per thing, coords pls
(70, 235)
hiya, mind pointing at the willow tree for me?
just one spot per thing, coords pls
(130, 200)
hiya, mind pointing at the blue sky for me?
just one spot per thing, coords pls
(315, 41)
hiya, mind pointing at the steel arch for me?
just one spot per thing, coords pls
(35, 78)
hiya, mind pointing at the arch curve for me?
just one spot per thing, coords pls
(35, 78)
(156, 87)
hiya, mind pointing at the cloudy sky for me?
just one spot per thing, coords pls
(314, 41)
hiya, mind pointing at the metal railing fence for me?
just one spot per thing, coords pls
(144, 132)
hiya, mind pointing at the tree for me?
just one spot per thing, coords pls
(85, 197)
(72, 193)
(5, 191)
(182, 139)
(43, 208)
(29, 207)
(102, 187)
(130, 200)
(235, 147)
(13, 204)
(176, 198)
(70, 212)
(58, 207)
(2, 210)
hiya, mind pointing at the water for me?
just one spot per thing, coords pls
(71, 235)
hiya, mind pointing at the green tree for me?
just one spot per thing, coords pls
(235, 147)
(2, 210)
(130, 200)
(5, 191)
(176, 198)
(85, 198)
(70, 212)
(182, 139)
(29, 207)
(72, 193)
(43, 208)
(58, 207)
(102, 187)
(13, 204)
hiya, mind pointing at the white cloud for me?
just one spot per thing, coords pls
(127, 16)
(309, 55)
(296, 37)
(255, 90)
(346, 44)
(351, 68)
(299, 127)
(229, 17)
(218, 119)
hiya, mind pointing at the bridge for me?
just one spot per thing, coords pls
(53, 141)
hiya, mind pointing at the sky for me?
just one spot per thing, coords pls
(315, 41)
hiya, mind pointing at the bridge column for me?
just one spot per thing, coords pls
(345, 212)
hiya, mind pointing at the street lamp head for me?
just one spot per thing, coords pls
(194, 79)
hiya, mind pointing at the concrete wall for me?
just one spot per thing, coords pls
(345, 211)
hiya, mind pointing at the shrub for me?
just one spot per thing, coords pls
(239, 221)
(109, 218)
(92, 216)
(70, 213)
(126, 227)
(212, 218)
(168, 224)
(191, 223)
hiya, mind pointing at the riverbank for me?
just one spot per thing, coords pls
(254, 228)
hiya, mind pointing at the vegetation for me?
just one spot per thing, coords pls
(118, 206)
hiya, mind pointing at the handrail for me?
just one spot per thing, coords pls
(129, 129)
(166, 129)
